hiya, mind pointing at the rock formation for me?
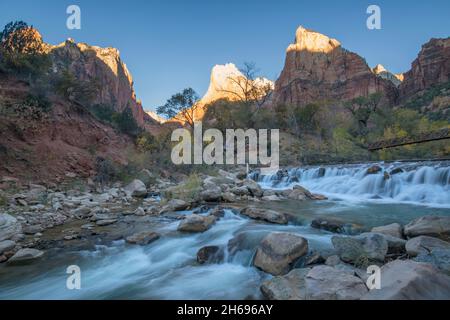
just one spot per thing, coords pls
(105, 67)
(432, 66)
(318, 68)
(381, 71)
(228, 82)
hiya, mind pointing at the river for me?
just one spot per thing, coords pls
(167, 268)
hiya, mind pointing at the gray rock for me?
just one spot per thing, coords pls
(411, 280)
(211, 194)
(253, 187)
(362, 248)
(6, 245)
(240, 191)
(228, 197)
(25, 255)
(424, 244)
(288, 287)
(33, 229)
(136, 189)
(9, 226)
(328, 283)
(273, 197)
(196, 223)
(143, 238)
(265, 214)
(175, 205)
(82, 211)
(105, 222)
(434, 226)
(393, 229)
(440, 258)
(278, 252)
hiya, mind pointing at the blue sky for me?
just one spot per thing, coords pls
(169, 45)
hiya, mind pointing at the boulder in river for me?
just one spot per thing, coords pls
(136, 189)
(210, 254)
(278, 252)
(374, 169)
(213, 194)
(393, 229)
(9, 226)
(265, 214)
(143, 238)
(25, 255)
(425, 244)
(363, 248)
(328, 283)
(329, 224)
(288, 287)
(196, 223)
(411, 280)
(434, 226)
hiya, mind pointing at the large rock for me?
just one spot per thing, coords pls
(175, 205)
(440, 258)
(425, 244)
(288, 287)
(265, 214)
(318, 68)
(278, 252)
(393, 229)
(9, 226)
(410, 280)
(196, 223)
(253, 187)
(136, 189)
(6, 245)
(328, 283)
(364, 247)
(213, 194)
(434, 226)
(329, 224)
(143, 238)
(210, 254)
(26, 255)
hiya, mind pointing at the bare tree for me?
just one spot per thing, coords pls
(249, 88)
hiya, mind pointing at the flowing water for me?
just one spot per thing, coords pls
(167, 268)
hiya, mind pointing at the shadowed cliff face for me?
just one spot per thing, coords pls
(431, 67)
(318, 68)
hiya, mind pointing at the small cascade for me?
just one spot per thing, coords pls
(419, 183)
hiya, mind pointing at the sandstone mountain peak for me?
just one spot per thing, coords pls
(226, 81)
(381, 72)
(379, 68)
(318, 68)
(312, 41)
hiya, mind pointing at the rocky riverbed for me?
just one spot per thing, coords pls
(229, 238)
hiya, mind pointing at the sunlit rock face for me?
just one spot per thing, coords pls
(155, 116)
(105, 67)
(381, 72)
(228, 82)
(432, 66)
(318, 68)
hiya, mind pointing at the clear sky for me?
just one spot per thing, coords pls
(169, 45)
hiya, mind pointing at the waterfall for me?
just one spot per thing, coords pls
(404, 182)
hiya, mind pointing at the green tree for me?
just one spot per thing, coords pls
(181, 107)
